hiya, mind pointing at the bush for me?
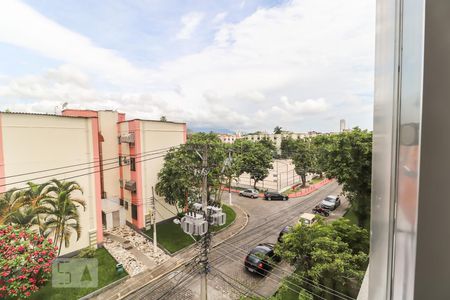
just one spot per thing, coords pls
(88, 252)
(25, 262)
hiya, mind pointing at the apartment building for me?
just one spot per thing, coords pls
(31, 143)
(117, 162)
(229, 138)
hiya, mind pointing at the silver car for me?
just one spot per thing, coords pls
(331, 202)
(252, 193)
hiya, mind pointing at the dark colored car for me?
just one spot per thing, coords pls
(261, 259)
(275, 196)
(285, 230)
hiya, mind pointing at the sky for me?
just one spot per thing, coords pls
(241, 65)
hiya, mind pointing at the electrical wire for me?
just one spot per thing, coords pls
(85, 163)
(307, 281)
(237, 281)
(273, 274)
(97, 171)
(72, 171)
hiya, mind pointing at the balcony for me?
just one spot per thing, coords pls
(130, 185)
(127, 138)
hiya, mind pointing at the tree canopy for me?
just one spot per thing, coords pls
(333, 254)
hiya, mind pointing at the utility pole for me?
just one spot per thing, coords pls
(155, 244)
(206, 238)
(229, 186)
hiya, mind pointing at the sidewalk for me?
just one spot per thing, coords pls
(136, 282)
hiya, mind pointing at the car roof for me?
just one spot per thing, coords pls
(262, 248)
(307, 216)
(331, 196)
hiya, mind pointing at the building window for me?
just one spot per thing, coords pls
(121, 202)
(134, 211)
(126, 205)
(133, 164)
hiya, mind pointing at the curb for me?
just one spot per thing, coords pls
(100, 290)
(186, 261)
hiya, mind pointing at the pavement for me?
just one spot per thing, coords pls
(135, 287)
(227, 278)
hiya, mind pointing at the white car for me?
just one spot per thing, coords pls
(252, 193)
(307, 219)
(331, 202)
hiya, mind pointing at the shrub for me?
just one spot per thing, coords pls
(88, 252)
(25, 262)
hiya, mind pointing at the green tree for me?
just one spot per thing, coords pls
(256, 159)
(277, 130)
(303, 159)
(232, 168)
(180, 179)
(62, 219)
(32, 196)
(288, 147)
(348, 158)
(266, 142)
(322, 255)
(9, 202)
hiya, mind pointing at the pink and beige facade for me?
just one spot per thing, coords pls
(117, 162)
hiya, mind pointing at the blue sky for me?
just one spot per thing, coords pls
(243, 65)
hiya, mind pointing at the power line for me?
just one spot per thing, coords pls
(81, 164)
(71, 171)
(307, 281)
(302, 288)
(237, 281)
(94, 172)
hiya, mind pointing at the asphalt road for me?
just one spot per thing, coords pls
(228, 278)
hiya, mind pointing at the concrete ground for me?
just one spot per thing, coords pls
(227, 278)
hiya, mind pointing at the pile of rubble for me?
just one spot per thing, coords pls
(124, 257)
(132, 240)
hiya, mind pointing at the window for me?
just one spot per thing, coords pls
(121, 202)
(126, 205)
(134, 211)
(133, 164)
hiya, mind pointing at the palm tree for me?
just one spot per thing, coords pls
(33, 197)
(62, 211)
(9, 202)
(25, 216)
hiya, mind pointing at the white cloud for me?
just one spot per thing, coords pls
(190, 23)
(306, 51)
(22, 26)
(219, 17)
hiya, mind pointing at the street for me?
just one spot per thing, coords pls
(227, 278)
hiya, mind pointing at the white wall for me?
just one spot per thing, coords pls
(40, 142)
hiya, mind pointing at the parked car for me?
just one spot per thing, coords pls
(331, 202)
(283, 231)
(307, 219)
(275, 196)
(252, 193)
(260, 259)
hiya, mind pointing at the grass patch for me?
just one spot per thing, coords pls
(231, 216)
(106, 275)
(315, 180)
(172, 237)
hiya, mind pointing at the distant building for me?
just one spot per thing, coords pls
(229, 138)
(277, 138)
(342, 126)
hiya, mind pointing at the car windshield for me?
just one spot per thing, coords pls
(305, 221)
(330, 199)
